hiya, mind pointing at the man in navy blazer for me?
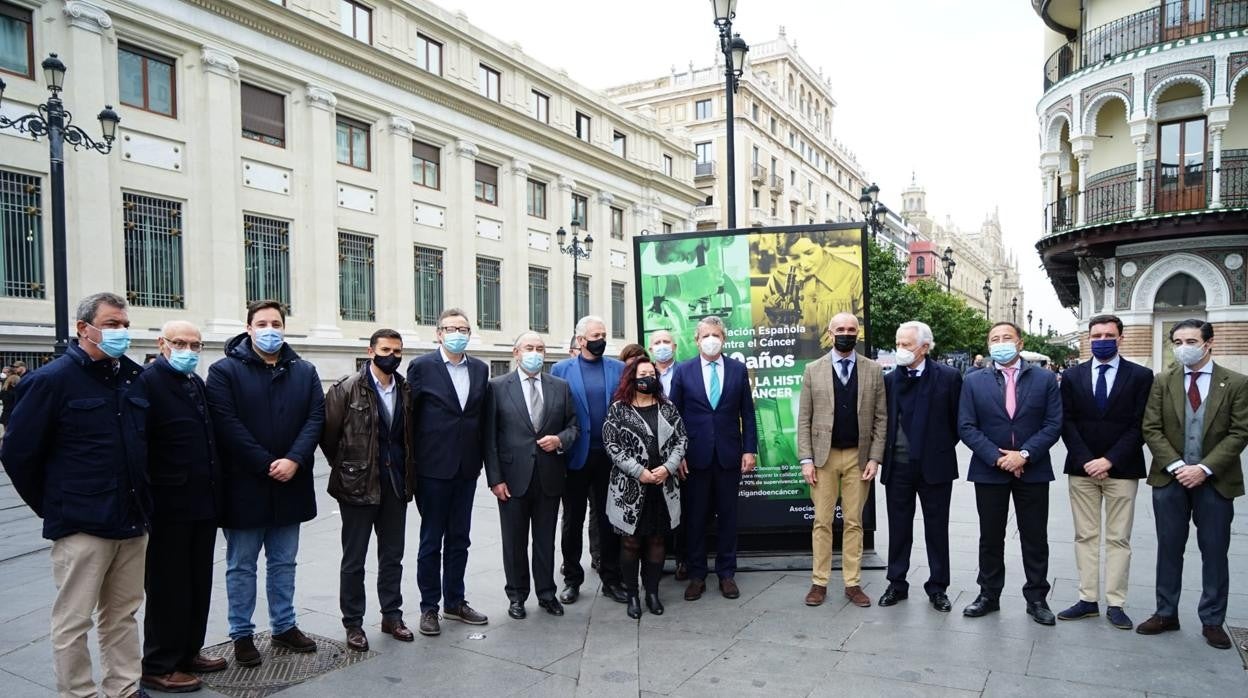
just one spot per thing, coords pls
(715, 400)
(1103, 403)
(920, 461)
(1010, 415)
(592, 379)
(449, 391)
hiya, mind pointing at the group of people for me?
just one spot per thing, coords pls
(134, 469)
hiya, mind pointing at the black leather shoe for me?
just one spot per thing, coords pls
(940, 602)
(615, 592)
(653, 603)
(516, 610)
(1039, 612)
(981, 606)
(891, 596)
(570, 594)
(682, 572)
(634, 606)
(553, 607)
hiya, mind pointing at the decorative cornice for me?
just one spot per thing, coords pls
(87, 15)
(466, 149)
(641, 210)
(321, 98)
(401, 126)
(566, 183)
(521, 168)
(214, 60)
(606, 198)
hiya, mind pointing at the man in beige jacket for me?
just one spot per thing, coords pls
(842, 422)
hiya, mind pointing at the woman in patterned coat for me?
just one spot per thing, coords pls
(646, 440)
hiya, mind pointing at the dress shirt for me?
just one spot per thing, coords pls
(665, 377)
(706, 374)
(1109, 375)
(836, 364)
(527, 386)
(386, 393)
(1204, 378)
(459, 376)
(918, 370)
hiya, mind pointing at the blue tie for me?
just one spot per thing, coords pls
(914, 373)
(1102, 388)
(844, 370)
(714, 386)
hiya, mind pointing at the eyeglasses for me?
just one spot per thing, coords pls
(181, 344)
(463, 329)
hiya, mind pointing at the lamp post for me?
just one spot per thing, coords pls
(578, 250)
(734, 49)
(1041, 327)
(56, 122)
(1028, 322)
(949, 263)
(988, 298)
(872, 210)
(1014, 310)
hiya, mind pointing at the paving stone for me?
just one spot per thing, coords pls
(763, 669)
(941, 646)
(1218, 673)
(838, 684)
(810, 630)
(914, 669)
(537, 641)
(669, 657)
(1004, 685)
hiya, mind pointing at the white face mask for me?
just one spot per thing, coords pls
(710, 345)
(905, 357)
(1189, 354)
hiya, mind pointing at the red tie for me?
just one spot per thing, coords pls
(1193, 392)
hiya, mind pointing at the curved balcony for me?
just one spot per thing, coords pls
(1169, 21)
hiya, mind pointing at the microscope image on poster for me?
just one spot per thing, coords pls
(688, 279)
(799, 280)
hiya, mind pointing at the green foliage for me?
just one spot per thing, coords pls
(890, 295)
(1041, 344)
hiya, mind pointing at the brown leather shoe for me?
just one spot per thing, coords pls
(1216, 637)
(857, 597)
(295, 641)
(203, 664)
(357, 640)
(177, 682)
(1156, 625)
(245, 652)
(429, 623)
(397, 629)
(682, 572)
(693, 592)
(728, 587)
(465, 614)
(817, 595)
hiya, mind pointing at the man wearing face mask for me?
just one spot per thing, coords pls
(373, 477)
(1196, 425)
(1010, 415)
(268, 410)
(77, 454)
(713, 395)
(1102, 409)
(530, 424)
(591, 379)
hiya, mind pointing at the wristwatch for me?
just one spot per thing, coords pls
(1026, 456)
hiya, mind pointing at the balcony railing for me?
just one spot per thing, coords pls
(1234, 184)
(1168, 21)
(777, 183)
(705, 214)
(758, 173)
(704, 169)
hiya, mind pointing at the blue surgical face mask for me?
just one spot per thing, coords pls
(183, 360)
(531, 361)
(113, 342)
(1003, 352)
(1104, 349)
(455, 342)
(269, 339)
(663, 353)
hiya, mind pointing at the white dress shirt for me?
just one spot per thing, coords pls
(527, 386)
(387, 394)
(665, 377)
(459, 376)
(1109, 375)
(836, 364)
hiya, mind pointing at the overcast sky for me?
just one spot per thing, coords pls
(946, 89)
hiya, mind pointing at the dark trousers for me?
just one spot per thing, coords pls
(178, 582)
(1173, 507)
(589, 483)
(389, 520)
(679, 538)
(905, 486)
(1031, 508)
(713, 489)
(538, 511)
(445, 524)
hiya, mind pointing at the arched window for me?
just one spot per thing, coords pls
(1180, 291)
(920, 266)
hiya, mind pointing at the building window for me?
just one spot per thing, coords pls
(489, 294)
(754, 112)
(754, 198)
(920, 266)
(487, 184)
(355, 20)
(702, 151)
(580, 210)
(356, 296)
(617, 310)
(539, 106)
(667, 165)
(487, 82)
(17, 52)
(21, 235)
(702, 109)
(793, 177)
(428, 271)
(754, 155)
(146, 80)
(539, 299)
(617, 223)
(153, 232)
(428, 54)
(426, 160)
(667, 228)
(580, 295)
(773, 125)
(619, 144)
(353, 143)
(582, 127)
(266, 252)
(536, 198)
(264, 115)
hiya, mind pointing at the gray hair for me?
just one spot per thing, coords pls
(713, 321)
(921, 331)
(654, 337)
(89, 307)
(582, 325)
(172, 326)
(529, 333)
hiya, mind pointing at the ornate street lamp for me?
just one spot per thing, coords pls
(872, 210)
(988, 298)
(1028, 322)
(948, 262)
(578, 250)
(56, 123)
(734, 49)
(1014, 310)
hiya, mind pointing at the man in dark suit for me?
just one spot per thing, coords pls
(1102, 408)
(1010, 415)
(1196, 425)
(920, 461)
(530, 425)
(450, 392)
(715, 400)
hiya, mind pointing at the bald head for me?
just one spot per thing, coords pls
(529, 343)
(175, 328)
(179, 335)
(528, 337)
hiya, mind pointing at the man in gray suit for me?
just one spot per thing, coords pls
(530, 424)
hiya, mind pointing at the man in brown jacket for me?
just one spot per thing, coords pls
(373, 476)
(842, 422)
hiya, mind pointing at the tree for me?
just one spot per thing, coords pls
(890, 296)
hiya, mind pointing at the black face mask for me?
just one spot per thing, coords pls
(388, 364)
(647, 385)
(596, 346)
(844, 343)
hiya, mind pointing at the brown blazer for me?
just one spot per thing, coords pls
(1226, 427)
(816, 411)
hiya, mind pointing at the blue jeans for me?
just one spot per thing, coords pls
(281, 545)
